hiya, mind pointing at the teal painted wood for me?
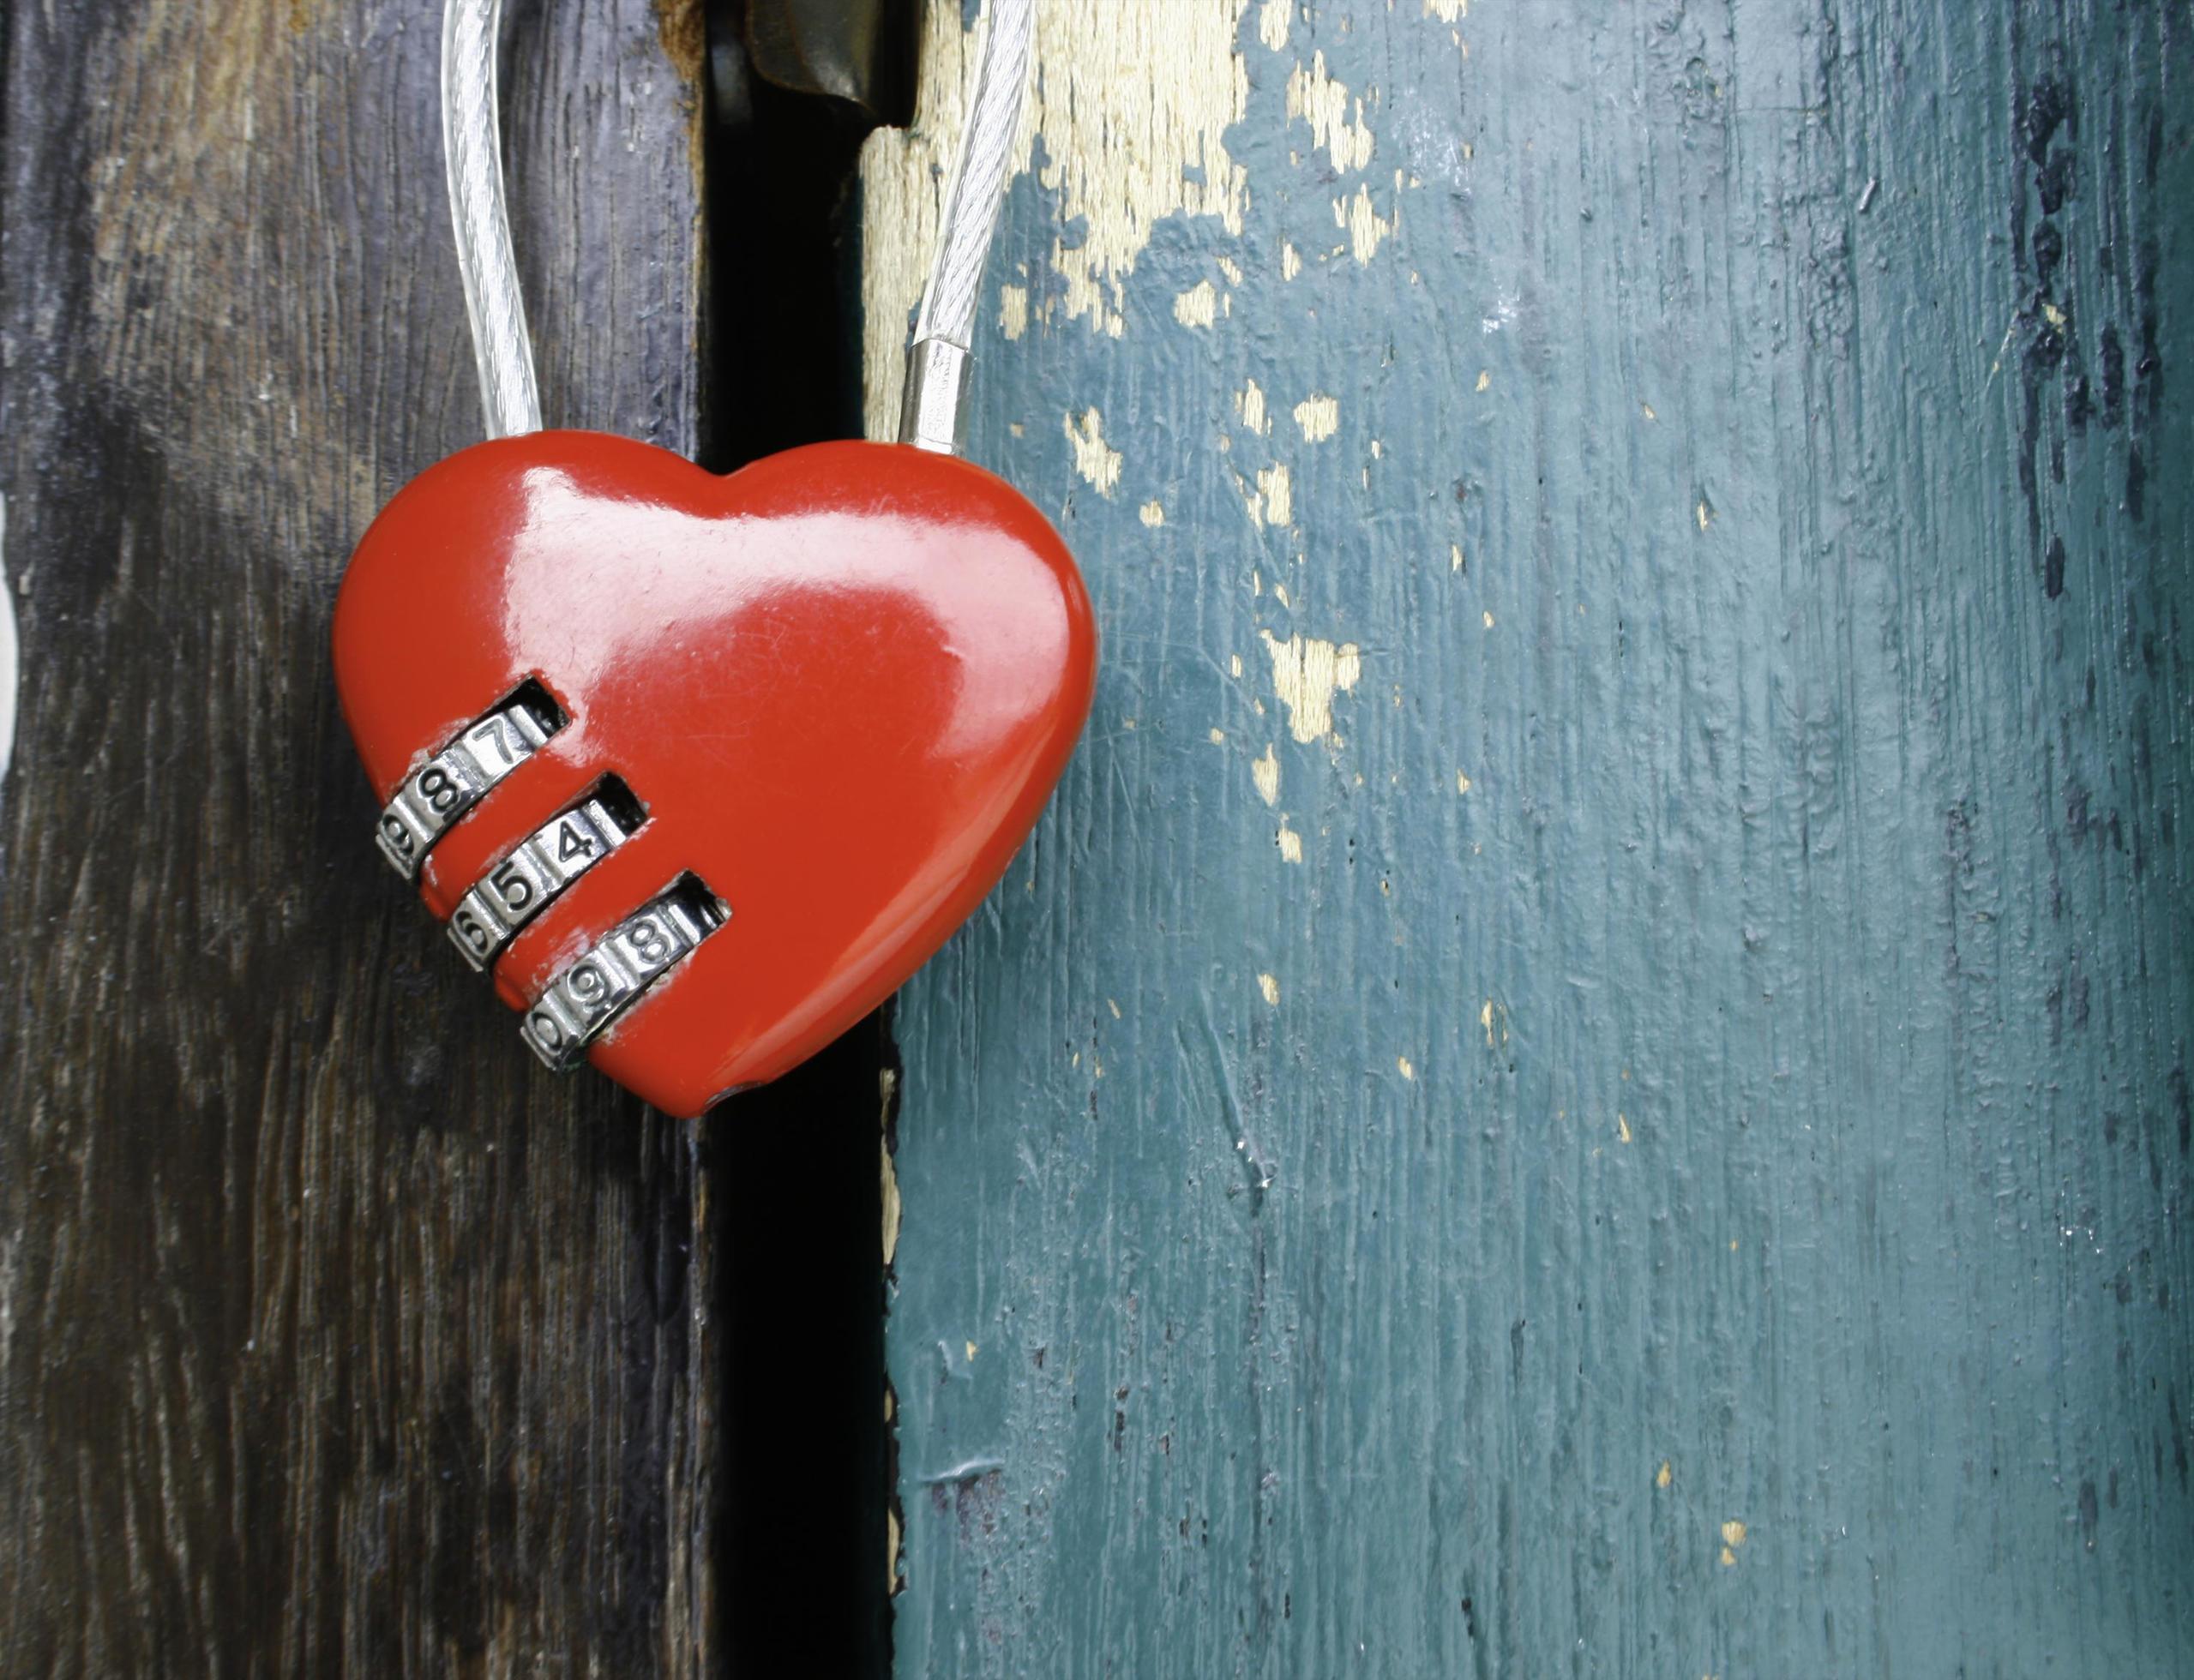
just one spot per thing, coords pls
(1760, 1097)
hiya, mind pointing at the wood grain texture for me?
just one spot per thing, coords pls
(1588, 1074)
(335, 1336)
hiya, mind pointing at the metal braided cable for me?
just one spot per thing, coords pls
(480, 220)
(472, 148)
(986, 148)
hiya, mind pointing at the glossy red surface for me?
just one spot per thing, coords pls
(843, 681)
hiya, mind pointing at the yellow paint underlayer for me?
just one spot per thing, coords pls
(1249, 404)
(1307, 672)
(1132, 100)
(1198, 306)
(1336, 124)
(1094, 459)
(1366, 228)
(1319, 417)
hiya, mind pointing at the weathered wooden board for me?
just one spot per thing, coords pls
(333, 1336)
(1588, 1074)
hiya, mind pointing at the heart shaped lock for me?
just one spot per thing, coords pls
(704, 767)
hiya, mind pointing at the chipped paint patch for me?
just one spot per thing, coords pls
(1455, 561)
(1275, 504)
(1402, 1063)
(1265, 772)
(1307, 672)
(1012, 310)
(1622, 1129)
(1318, 417)
(1366, 228)
(1288, 842)
(1249, 407)
(1290, 262)
(1166, 74)
(886, 1087)
(1219, 737)
(1271, 989)
(1668, 1473)
(1336, 122)
(1461, 783)
(1198, 306)
(1094, 459)
(1733, 1536)
(1153, 514)
(1272, 23)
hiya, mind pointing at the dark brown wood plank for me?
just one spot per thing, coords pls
(334, 1337)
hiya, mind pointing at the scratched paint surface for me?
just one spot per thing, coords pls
(1589, 1072)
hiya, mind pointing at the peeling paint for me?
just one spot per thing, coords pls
(1094, 459)
(1271, 989)
(887, 1087)
(1265, 772)
(1366, 228)
(1169, 75)
(1272, 23)
(1307, 672)
(1315, 98)
(1290, 843)
(1153, 514)
(1319, 417)
(1198, 306)
(1249, 407)
(1012, 310)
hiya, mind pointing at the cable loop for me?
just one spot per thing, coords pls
(938, 360)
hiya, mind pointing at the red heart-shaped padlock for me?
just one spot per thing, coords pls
(837, 685)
